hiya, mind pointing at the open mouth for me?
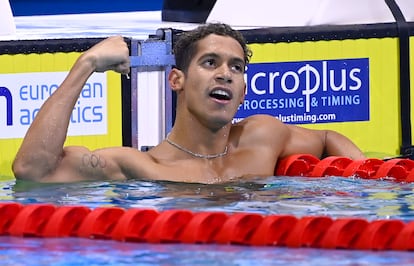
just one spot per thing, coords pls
(221, 94)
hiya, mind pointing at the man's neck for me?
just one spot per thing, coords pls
(200, 139)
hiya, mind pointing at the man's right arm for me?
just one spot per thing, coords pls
(42, 152)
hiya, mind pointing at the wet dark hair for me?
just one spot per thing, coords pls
(186, 46)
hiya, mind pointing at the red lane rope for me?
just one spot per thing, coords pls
(400, 170)
(184, 226)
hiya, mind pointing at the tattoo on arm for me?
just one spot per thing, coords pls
(93, 160)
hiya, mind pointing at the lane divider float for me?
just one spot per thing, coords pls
(184, 226)
(398, 169)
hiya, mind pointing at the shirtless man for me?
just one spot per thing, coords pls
(203, 146)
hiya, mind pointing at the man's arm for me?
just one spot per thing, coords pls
(42, 151)
(320, 143)
(339, 145)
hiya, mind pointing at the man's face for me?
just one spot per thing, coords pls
(214, 84)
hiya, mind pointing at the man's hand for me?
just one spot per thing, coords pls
(109, 54)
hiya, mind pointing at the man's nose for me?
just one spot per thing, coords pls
(224, 75)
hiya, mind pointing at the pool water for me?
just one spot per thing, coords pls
(77, 251)
(336, 197)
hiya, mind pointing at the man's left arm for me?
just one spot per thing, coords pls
(338, 144)
(320, 143)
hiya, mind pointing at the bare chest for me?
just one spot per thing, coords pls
(216, 170)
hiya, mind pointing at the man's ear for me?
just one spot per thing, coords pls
(176, 79)
(244, 94)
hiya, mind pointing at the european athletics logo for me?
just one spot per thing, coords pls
(5, 92)
(22, 94)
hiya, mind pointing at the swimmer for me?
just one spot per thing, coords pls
(204, 146)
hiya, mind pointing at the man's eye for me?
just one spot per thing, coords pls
(209, 62)
(238, 68)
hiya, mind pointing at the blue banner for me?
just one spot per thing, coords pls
(308, 91)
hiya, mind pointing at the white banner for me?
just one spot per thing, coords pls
(22, 94)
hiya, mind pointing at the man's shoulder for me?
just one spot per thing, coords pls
(260, 124)
(262, 119)
(263, 130)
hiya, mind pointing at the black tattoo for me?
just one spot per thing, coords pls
(93, 161)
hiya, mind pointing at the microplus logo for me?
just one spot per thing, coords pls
(309, 91)
(22, 95)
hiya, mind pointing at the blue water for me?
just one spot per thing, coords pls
(77, 251)
(334, 196)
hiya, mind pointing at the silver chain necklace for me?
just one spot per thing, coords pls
(198, 155)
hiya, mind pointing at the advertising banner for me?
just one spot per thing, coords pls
(308, 92)
(24, 93)
(351, 86)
